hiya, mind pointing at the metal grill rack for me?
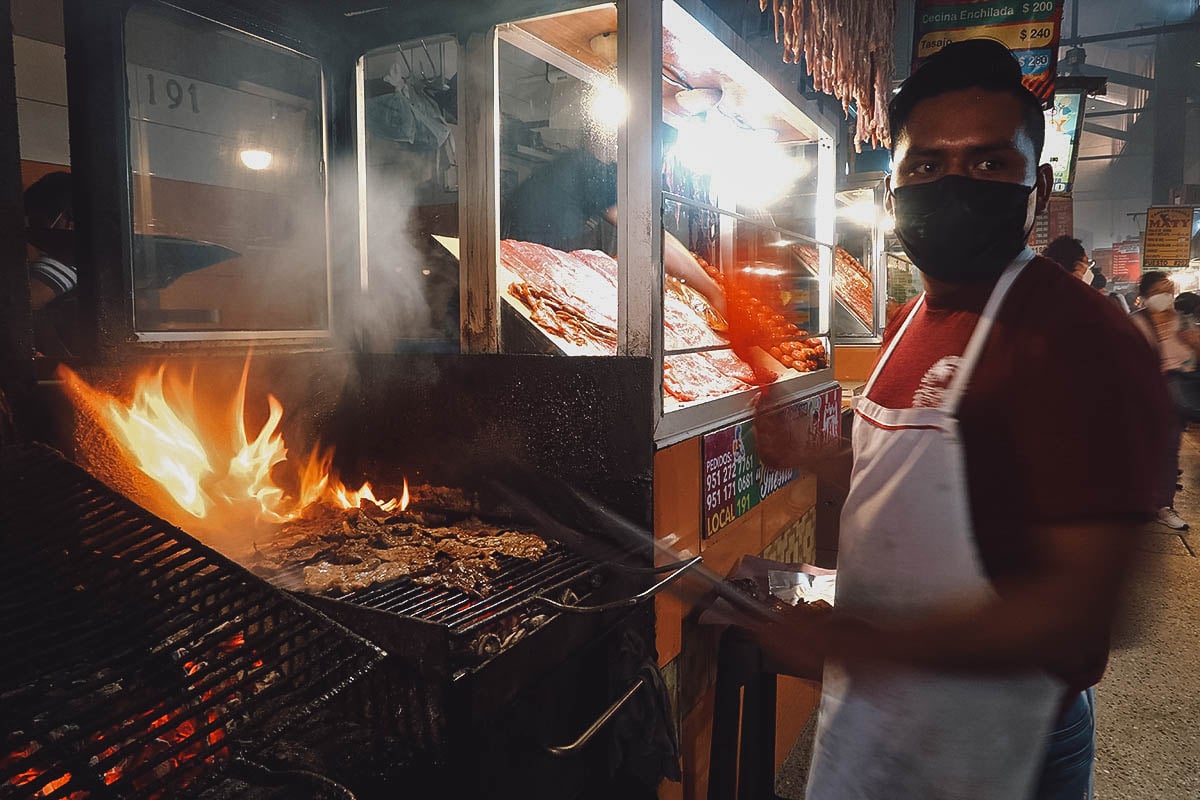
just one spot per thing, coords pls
(139, 662)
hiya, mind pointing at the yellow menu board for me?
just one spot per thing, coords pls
(1168, 239)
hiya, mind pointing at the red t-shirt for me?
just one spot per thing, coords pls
(1063, 420)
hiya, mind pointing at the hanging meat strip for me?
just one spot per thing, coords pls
(847, 47)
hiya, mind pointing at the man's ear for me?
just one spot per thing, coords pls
(1045, 183)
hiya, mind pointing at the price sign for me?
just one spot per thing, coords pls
(1029, 28)
(734, 480)
(1127, 261)
(1168, 243)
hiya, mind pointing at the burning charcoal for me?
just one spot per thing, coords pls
(62, 732)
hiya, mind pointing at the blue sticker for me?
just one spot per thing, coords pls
(1034, 62)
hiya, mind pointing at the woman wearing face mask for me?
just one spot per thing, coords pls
(1177, 351)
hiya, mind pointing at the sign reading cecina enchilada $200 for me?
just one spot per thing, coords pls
(733, 478)
(1029, 28)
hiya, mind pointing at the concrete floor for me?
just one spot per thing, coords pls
(1148, 705)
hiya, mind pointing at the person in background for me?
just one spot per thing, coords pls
(1177, 349)
(48, 207)
(53, 276)
(987, 529)
(1188, 306)
(567, 203)
(1070, 254)
(1100, 284)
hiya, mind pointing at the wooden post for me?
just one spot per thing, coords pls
(479, 196)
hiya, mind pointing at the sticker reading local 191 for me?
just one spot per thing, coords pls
(735, 480)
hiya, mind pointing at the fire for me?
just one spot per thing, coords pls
(216, 482)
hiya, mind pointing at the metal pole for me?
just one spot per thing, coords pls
(1136, 33)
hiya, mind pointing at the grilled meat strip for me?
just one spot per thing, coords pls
(349, 550)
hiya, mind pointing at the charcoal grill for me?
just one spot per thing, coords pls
(138, 662)
(459, 665)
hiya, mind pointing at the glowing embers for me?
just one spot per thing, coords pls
(208, 462)
(162, 744)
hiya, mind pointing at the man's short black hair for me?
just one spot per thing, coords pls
(971, 64)
(1150, 280)
(1065, 252)
(47, 199)
(1187, 303)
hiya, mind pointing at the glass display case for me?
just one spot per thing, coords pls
(859, 275)
(226, 150)
(627, 180)
(729, 166)
(408, 136)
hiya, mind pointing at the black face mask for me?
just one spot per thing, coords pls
(962, 230)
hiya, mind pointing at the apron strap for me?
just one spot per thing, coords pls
(983, 328)
(887, 354)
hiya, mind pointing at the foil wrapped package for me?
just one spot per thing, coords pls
(808, 584)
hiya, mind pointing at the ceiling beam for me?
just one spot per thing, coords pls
(1122, 112)
(1117, 76)
(1174, 27)
(1104, 130)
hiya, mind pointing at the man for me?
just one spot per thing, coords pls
(53, 278)
(47, 214)
(989, 523)
(1070, 254)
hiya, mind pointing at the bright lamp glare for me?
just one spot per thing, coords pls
(747, 164)
(256, 159)
(608, 105)
(862, 212)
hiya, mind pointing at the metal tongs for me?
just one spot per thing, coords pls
(622, 531)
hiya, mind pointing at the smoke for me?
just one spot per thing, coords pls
(408, 294)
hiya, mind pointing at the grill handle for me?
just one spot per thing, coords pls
(627, 602)
(600, 722)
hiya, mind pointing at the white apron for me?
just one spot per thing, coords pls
(906, 547)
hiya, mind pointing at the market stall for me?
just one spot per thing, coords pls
(577, 237)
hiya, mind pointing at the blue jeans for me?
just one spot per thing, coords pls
(1071, 748)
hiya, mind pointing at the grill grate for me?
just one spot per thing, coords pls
(517, 584)
(138, 661)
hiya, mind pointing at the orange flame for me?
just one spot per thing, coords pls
(158, 433)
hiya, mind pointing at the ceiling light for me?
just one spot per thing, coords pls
(697, 101)
(608, 105)
(256, 159)
(605, 46)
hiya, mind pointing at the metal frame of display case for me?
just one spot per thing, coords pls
(877, 263)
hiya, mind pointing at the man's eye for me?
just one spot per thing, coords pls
(990, 164)
(924, 168)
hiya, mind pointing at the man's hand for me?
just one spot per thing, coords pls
(679, 262)
(1058, 617)
(781, 434)
(797, 640)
